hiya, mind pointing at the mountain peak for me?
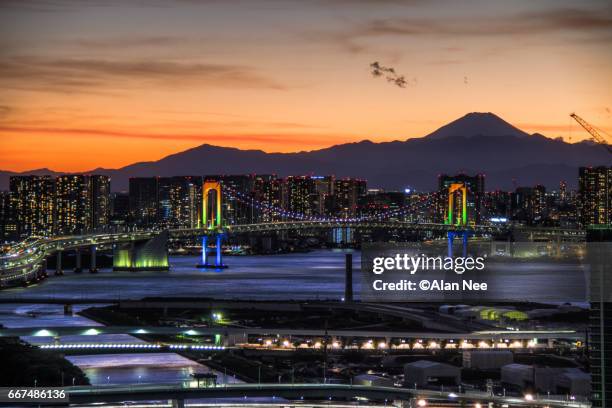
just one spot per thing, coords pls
(477, 124)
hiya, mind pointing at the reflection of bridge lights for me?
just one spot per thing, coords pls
(91, 332)
(528, 397)
(191, 332)
(422, 403)
(43, 333)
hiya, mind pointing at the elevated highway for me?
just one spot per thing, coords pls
(238, 334)
(322, 392)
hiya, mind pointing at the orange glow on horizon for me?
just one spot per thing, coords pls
(84, 86)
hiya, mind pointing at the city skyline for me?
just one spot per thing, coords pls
(131, 88)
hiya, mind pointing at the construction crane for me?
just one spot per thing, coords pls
(592, 131)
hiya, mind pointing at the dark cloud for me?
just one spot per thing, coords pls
(578, 25)
(580, 20)
(390, 74)
(100, 75)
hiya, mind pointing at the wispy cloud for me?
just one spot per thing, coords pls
(306, 139)
(568, 19)
(591, 25)
(101, 75)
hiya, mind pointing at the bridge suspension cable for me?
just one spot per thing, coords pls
(423, 202)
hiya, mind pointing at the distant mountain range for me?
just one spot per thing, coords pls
(475, 143)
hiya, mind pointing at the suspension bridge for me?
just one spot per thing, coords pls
(147, 249)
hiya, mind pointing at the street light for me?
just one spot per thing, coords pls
(422, 403)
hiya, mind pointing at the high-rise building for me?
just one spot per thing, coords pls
(377, 202)
(178, 201)
(33, 201)
(497, 205)
(268, 191)
(300, 193)
(529, 204)
(346, 195)
(99, 193)
(595, 195)
(71, 204)
(144, 200)
(475, 187)
(8, 222)
(599, 239)
(120, 208)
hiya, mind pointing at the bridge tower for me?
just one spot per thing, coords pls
(460, 220)
(215, 221)
(213, 227)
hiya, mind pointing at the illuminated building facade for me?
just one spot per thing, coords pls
(268, 190)
(33, 202)
(595, 195)
(71, 204)
(178, 201)
(8, 222)
(300, 193)
(99, 192)
(529, 204)
(346, 195)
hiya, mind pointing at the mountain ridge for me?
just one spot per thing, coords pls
(476, 142)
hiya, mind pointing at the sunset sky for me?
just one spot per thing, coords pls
(105, 83)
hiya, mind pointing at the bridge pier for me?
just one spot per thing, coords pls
(58, 264)
(92, 260)
(177, 403)
(149, 255)
(77, 262)
(218, 253)
(204, 256)
(464, 238)
(348, 278)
